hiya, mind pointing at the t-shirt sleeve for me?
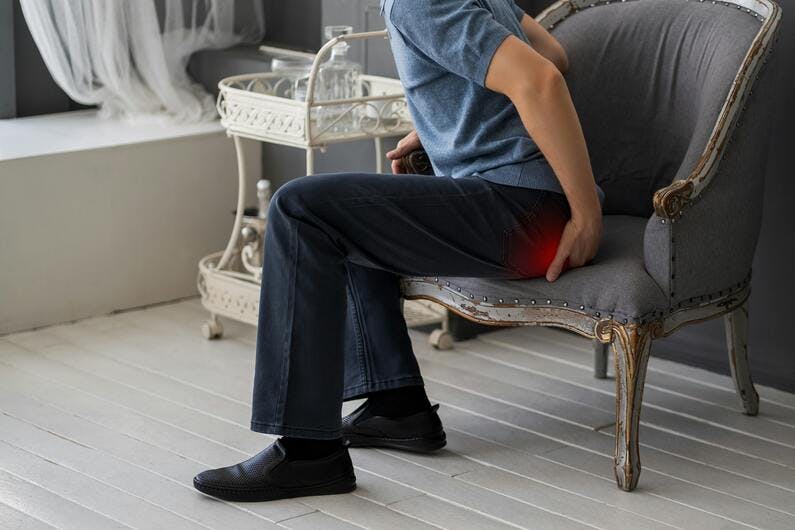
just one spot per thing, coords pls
(460, 36)
(518, 11)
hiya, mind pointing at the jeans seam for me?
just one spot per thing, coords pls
(285, 375)
(361, 336)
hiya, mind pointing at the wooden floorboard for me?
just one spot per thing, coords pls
(745, 443)
(761, 490)
(104, 422)
(52, 507)
(16, 520)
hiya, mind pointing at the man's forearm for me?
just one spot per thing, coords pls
(542, 99)
(552, 122)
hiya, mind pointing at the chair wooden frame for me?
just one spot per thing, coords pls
(631, 341)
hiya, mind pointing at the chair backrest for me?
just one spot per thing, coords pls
(649, 79)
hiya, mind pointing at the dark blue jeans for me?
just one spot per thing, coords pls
(330, 323)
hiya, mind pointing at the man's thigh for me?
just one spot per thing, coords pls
(415, 224)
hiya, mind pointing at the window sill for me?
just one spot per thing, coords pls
(84, 130)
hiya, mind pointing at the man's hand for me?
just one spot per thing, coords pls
(578, 245)
(409, 143)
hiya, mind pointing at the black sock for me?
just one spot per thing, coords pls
(307, 449)
(398, 402)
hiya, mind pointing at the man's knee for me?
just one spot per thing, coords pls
(303, 194)
(293, 196)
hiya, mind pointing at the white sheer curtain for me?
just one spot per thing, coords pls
(129, 56)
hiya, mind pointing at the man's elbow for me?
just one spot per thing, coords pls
(557, 54)
(539, 83)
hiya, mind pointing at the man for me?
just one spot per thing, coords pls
(518, 199)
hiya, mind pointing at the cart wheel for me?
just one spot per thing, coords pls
(441, 339)
(212, 329)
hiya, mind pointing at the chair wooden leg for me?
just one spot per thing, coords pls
(736, 324)
(600, 353)
(631, 346)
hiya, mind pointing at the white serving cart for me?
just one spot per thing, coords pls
(260, 107)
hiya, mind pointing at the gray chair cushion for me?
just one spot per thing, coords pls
(616, 283)
(648, 79)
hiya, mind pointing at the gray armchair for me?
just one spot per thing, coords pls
(675, 98)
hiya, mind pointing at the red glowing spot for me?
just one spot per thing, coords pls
(533, 248)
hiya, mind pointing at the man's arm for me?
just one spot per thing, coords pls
(544, 43)
(538, 91)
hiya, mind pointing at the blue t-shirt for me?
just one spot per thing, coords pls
(443, 49)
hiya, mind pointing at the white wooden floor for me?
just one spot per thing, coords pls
(105, 422)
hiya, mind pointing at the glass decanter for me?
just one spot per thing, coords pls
(294, 71)
(338, 78)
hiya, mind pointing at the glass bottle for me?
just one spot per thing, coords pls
(338, 78)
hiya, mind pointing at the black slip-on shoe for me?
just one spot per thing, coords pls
(270, 475)
(421, 432)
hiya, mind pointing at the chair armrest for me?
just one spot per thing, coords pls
(417, 163)
(701, 239)
(669, 201)
(709, 250)
(692, 178)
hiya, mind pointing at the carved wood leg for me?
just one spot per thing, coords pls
(736, 324)
(631, 346)
(600, 354)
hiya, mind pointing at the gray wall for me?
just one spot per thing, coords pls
(293, 22)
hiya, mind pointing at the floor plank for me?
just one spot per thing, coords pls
(12, 519)
(167, 464)
(123, 410)
(371, 486)
(584, 442)
(480, 500)
(692, 469)
(731, 508)
(316, 520)
(157, 458)
(582, 387)
(49, 506)
(359, 511)
(506, 448)
(445, 515)
(128, 493)
(542, 492)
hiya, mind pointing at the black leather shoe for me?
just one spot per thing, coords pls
(270, 475)
(421, 432)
